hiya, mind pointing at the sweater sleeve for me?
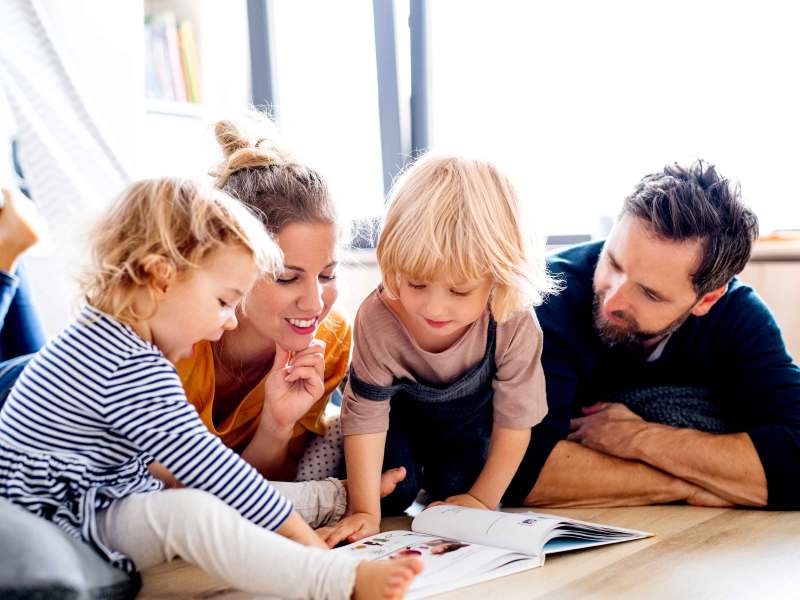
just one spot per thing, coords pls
(146, 405)
(765, 382)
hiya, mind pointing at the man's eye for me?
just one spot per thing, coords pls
(651, 296)
(224, 304)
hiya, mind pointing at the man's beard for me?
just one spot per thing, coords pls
(630, 335)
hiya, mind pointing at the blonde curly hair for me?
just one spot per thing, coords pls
(164, 228)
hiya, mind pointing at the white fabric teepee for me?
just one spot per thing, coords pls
(70, 169)
(68, 164)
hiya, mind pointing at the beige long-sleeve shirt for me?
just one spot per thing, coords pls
(384, 350)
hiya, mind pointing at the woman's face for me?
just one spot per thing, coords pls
(288, 310)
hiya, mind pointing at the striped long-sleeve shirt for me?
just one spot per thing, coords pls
(91, 411)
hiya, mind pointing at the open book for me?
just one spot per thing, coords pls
(464, 546)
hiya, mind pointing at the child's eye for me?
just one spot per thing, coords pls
(457, 293)
(416, 286)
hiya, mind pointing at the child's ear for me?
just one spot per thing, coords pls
(160, 273)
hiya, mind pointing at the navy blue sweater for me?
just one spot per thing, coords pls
(735, 351)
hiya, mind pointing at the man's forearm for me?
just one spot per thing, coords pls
(578, 476)
(726, 465)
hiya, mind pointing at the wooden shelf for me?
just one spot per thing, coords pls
(175, 109)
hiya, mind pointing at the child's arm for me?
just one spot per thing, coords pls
(506, 450)
(298, 530)
(519, 404)
(364, 458)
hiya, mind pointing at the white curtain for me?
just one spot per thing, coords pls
(68, 164)
(71, 170)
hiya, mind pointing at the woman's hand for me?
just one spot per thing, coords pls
(293, 385)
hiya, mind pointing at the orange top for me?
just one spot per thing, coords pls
(238, 428)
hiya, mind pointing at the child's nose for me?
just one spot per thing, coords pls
(231, 322)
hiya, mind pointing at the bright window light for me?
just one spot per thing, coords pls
(580, 99)
(328, 96)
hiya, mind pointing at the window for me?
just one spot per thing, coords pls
(327, 96)
(580, 99)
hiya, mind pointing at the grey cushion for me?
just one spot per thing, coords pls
(39, 560)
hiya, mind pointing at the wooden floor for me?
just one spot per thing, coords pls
(696, 553)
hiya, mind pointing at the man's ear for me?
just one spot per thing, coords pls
(708, 300)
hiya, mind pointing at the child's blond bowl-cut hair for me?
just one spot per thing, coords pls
(163, 228)
(458, 219)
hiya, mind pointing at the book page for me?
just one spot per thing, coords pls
(526, 533)
(518, 532)
(449, 563)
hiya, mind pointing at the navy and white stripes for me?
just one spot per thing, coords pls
(91, 411)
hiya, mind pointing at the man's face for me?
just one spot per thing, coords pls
(642, 285)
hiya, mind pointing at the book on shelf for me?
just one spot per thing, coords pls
(171, 63)
(191, 68)
(464, 546)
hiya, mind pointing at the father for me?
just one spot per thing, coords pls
(667, 378)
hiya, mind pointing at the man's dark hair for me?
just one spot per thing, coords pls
(696, 203)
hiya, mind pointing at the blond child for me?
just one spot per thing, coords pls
(101, 401)
(450, 339)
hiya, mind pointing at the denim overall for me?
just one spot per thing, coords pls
(439, 434)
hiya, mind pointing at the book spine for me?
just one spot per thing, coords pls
(152, 87)
(174, 56)
(161, 61)
(189, 60)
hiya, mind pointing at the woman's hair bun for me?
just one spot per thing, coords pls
(247, 145)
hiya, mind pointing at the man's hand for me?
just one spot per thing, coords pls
(293, 386)
(353, 528)
(608, 427)
(465, 500)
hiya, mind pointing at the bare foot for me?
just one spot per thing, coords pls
(19, 228)
(385, 579)
(389, 481)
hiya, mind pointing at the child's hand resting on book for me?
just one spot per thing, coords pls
(466, 500)
(351, 529)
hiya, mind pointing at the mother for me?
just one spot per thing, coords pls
(235, 383)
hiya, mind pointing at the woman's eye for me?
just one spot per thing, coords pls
(285, 281)
(224, 304)
(330, 277)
